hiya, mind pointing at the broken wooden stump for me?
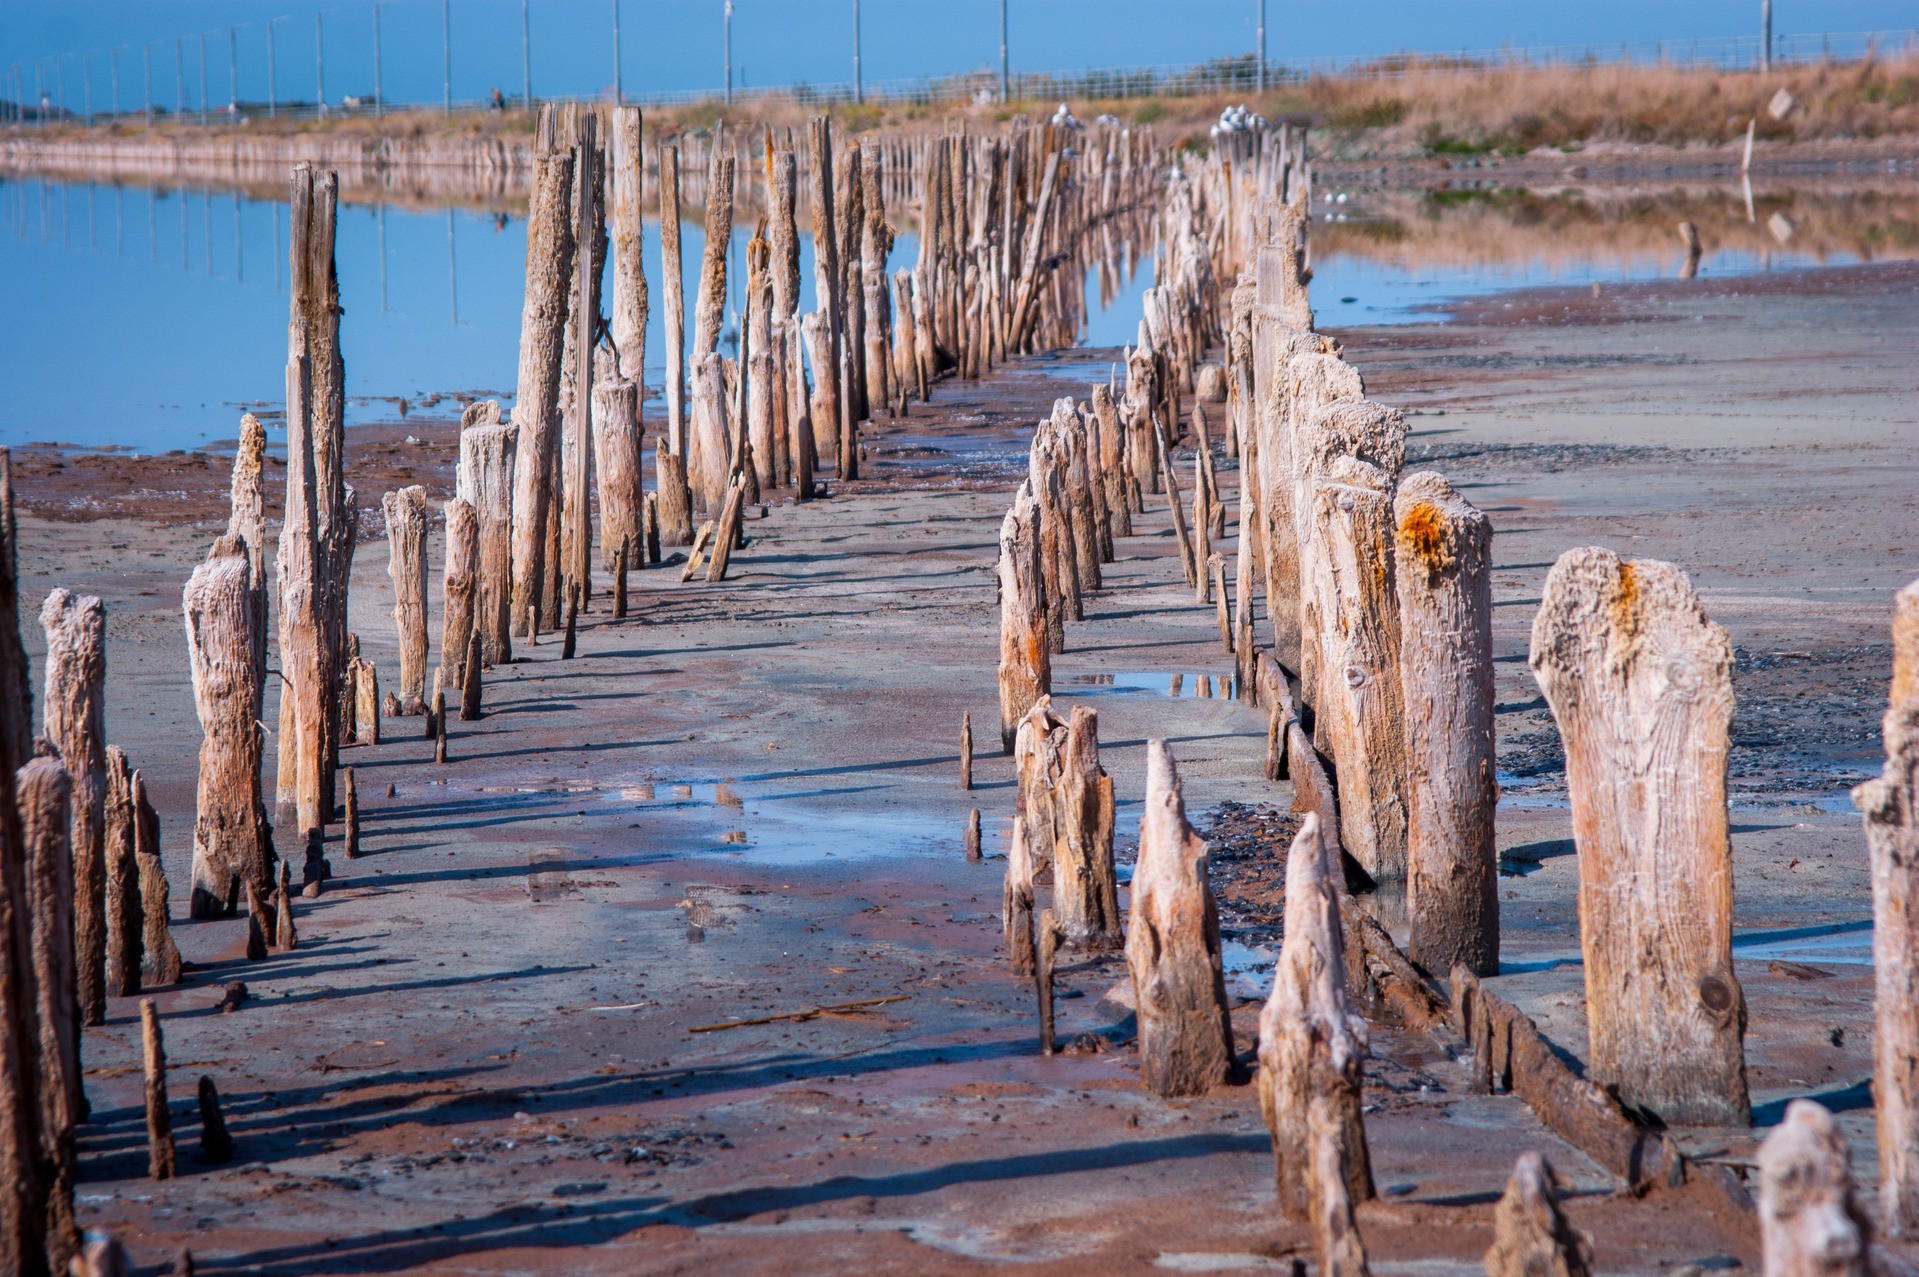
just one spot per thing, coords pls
(1025, 659)
(571, 638)
(1016, 905)
(1640, 683)
(487, 459)
(1216, 567)
(124, 919)
(160, 1153)
(616, 458)
(459, 586)
(352, 816)
(972, 835)
(1443, 574)
(1085, 881)
(1810, 1224)
(285, 937)
(366, 700)
(1050, 934)
(44, 791)
(232, 839)
(966, 749)
(1312, 1050)
(216, 1144)
(1173, 948)
(406, 568)
(1890, 806)
(1531, 1237)
(75, 718)
(259, 925)
(621, 562)
(439, 725)
(471, 688)
(160, 957)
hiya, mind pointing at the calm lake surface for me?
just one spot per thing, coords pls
(150, 319)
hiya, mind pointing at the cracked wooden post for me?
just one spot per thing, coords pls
(487, 459)
(710, 441)
(366, 698)
(459, 583)
(406, 569)
(76, 630)
(216, 1144)
(1050, 934)
(966, 749)
(352, 849)
(576, 532)
(1443, 573)
(1890, 806)
(160, 957)
(1172, 946)
(972, 835)
(470, 683)
(160, 1153)
(669, 462)
(550, 248)
(616, 460)
(1085, 882)
(232, 840)
(285, 938)
(1640, 683)
(247, 520)
(1531, 1237)
(1025, 660)
(1312, 1049)
(625, 187)
(44, 790)
(1352, 451)
(1016, 901)
(1810, 1223)
(123, 880)
(830, 299)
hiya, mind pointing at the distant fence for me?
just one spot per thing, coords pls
(1233, 75)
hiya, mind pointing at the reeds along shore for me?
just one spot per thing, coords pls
(1359, 618)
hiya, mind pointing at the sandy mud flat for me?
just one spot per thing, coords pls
(743, 803)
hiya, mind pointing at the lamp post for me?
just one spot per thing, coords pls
(729, 52)
(859, 88)
(1005, 79)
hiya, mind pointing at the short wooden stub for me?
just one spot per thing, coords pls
(406, 568)
(1890, 805)
(1640, 682)
(216, 1145)
(472, 688)
(1809, 1223)
(972, 835)
(1050, 934)
(966, 749)
(160, 1155)
(1531, 1237)
(1443, 571)
(1312, 1050)
(1172, 946)
(1016, 902)
(159, 955)
(123, 880)
(439, 725)
(569, 643)
(352, 816)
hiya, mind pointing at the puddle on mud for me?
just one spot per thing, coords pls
(1191, 686)
(1837, 944)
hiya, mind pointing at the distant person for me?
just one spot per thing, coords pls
(498, 102)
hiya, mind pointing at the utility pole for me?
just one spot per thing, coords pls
(379, 97)
(273, 96)
(147, 49)
(729, 52)
(233, 70)
(1765, 35)
(446, 58)
(203, 78)
(113, 61)
(1260, 57)
(1005, 79)
(86, 87)
(60, 85)
(319, 63)
(526, 59)
(859, 89)
(179, 80)
(618, 99)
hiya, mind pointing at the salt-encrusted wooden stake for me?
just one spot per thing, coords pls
(76, 630)
(652, 547)
(1016, 901)
(285, 937)
(160, 957)
(1050, 935)
(1180, 533)
(470, 687)
(829, 291)
(572, 621)
(45, 795)
(216, 1145)
(247, 520)
(728, 530)
(1312, 1051)
(669, 462)
(366, 696)
(1025, 658)
(123, 880)
(1085, 882)
(487, 459)
(1531, 1237)
(406, 568)
(550, 249)
(439, 715)
(1172, 946)
(259, 925)
(1443, 571)
(352, 816)
(576, 538)
(459, 584)
(160, 1154)
(620, 564)
(966, 749)
(1216, 565)
(1890, 805)
(972, 835)
(625, 182)
(709, 443)
(232, 840)
(1640, 682)
(1810, 1223)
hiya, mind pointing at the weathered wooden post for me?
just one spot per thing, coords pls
(1172, 946)
(550, 249)
(829, 292)
(616, 459)
(966, 749)
(470, 682)
(576, 531)
(1890, 805)
(1016, 901)
(1443, 572)
(625, 183)
(1025, 660)
(123, 880)
(669, 461)
(1640, 682)
(709, 447)
(216, 1145)
(160, 957)
(352, 848)
(406, 568)
(160, 1154)
(487, 459)
(459, 588)
(247, 519)
(366, 699)
(1531, 1237)
(232, 841)
(1050, 934)
(1810, 1224)
(1312, 1049)
(972, 835)
(44, 792)
(76, 630)
(1085, 882)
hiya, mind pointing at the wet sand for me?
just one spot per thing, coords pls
(744, 803)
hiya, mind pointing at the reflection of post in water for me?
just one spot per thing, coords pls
(120, 220)
(379, 216)
(276, 240)
(153, 235)
(93, 241)
(239, 254)
(185, 260)
(452, 280)
(1689, 236)
(206, 225)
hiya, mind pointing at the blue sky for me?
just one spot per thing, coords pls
(676, 44)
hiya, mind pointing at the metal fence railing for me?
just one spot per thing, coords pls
(1231, 75)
